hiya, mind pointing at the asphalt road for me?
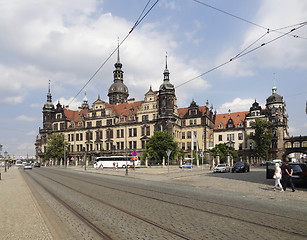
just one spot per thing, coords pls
(155, 204)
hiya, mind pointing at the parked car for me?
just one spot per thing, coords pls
(37, 164)
(299, 176)
(222, 168)
(27, 166)
(186, 165)
(264, 163)
(240, 167)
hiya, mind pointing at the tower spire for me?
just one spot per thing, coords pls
(274, 89)
(49, 97)
(118, 60)
(166, 72)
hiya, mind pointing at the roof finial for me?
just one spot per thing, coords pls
(166, 60)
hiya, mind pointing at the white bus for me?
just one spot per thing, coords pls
(117, 162)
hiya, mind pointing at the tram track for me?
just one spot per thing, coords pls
(94, 227)
(223, 215)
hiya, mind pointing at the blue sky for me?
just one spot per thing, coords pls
(67, 41)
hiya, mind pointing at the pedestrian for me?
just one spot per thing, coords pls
(113, 165)
(277, 176)
(287, 172)
(116, 166)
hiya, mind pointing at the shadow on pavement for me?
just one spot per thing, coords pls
(256, 175)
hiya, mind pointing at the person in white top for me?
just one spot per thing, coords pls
(277, 176)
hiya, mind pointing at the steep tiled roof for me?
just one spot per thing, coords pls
(120, 109)
(125, 108)
(183, 111)
(223, 118)
(75, 116)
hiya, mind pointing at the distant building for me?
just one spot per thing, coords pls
(124, 125)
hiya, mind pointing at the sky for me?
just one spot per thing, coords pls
(66, 42)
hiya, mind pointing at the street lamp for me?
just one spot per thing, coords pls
(5, 157)
(168, 152)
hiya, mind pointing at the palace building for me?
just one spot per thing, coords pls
(124, 125)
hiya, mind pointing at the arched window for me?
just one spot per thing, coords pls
(304, 144)
(296, 144)
(288, 145)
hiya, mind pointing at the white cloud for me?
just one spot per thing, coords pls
(237, 105)
(73, 105)
(292, 131)
(27, 146)
(25, 118)
(32, 133)
(285, 52)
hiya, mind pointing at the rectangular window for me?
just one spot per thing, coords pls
(183, 135)
(183, 146)
(68, 138)
(230, 137)
(148, 131)
(240, 136)
(55, 127)
(189, 135)
(130, 132)
(220, 137)
(134, 132)
(77, 136)
(121, 145)
(134, 145)
(81, 136)
(72, 137)
(130, 144)
(118, 133)
(89, 124)
(98, 123)
(109, 122)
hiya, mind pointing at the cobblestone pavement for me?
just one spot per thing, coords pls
(19, 215)
(21, 219)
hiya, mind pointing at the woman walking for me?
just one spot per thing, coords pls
(277, 177)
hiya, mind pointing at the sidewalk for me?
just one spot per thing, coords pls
(19, 215)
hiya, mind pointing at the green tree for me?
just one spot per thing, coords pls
(263, 137)
(158, 144)
(55, 147)
(222, 149)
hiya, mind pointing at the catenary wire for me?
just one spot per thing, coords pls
(245, 20)
(139, 20)
(243, 54)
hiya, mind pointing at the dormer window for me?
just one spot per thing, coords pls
(220, 126)
(230, 124)
(240, 124)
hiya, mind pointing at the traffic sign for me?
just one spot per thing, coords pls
(134, 153)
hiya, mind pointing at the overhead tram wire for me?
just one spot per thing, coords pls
(139, 20)
(245, 20)
(267, 32)
(243, 54)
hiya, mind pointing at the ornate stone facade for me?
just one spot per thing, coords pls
(124, 125)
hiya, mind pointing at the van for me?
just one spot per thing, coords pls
(18, 163)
